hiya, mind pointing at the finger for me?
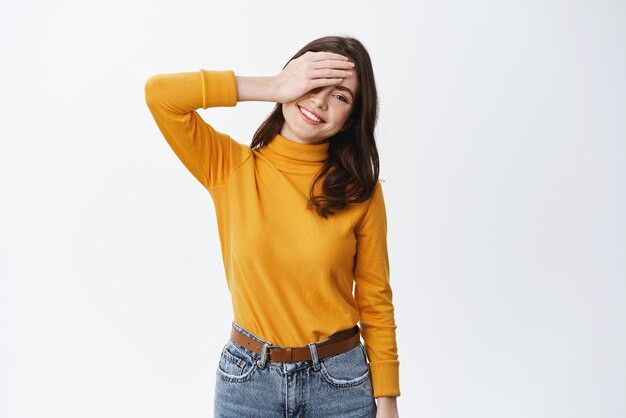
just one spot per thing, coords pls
(323, 82)
(330, 73)
(332, 64)
(319, 56)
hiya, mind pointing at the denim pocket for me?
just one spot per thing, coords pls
(236, 364)
(346, 369)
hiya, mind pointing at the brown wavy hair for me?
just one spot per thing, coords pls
(351, 170)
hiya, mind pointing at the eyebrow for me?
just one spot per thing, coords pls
(344, 88)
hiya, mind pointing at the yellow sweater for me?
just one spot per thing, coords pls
(290, 273)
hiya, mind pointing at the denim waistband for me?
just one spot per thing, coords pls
(266, 344)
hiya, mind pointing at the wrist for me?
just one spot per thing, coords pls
(387, 407)
(387, 400)
(260, 89)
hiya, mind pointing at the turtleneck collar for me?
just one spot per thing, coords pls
(298, 151)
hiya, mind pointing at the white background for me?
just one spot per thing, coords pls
(502, 140)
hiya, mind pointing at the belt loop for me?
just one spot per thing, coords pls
(316, 361)
(262, 362)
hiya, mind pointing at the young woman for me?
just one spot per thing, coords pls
(301, 218)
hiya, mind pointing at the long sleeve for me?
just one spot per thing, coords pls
(209, 155)
(373, 295)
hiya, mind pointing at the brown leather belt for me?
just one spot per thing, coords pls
(339, 342)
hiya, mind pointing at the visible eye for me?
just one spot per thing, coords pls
(341, 98)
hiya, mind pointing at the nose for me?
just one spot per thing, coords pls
(319, 97)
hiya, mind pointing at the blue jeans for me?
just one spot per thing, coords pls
(248, 385)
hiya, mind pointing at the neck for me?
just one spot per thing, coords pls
(298, 151)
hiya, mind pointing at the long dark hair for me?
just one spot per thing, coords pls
(352, 168)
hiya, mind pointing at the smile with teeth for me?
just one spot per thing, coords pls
(310, 115)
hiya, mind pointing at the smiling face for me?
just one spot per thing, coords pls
(320, 113)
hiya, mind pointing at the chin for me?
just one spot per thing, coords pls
(308, 138)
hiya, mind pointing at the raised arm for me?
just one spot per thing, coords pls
(211, 156)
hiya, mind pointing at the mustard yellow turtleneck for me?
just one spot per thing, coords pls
(290, 273)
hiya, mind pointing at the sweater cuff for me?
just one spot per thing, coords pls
(219, 88)
(385, 378)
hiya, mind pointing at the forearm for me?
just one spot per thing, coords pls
(181, 93)
(174, 94)
(262, 89)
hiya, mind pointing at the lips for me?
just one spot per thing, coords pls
(310, 111)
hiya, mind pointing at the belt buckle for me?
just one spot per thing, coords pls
(269, 349)
(288, 350)
(268, 356)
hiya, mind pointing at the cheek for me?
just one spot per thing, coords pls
(345, 114)
(340, 112)
(290, 109)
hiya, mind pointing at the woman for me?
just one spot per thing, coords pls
(301, 218)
